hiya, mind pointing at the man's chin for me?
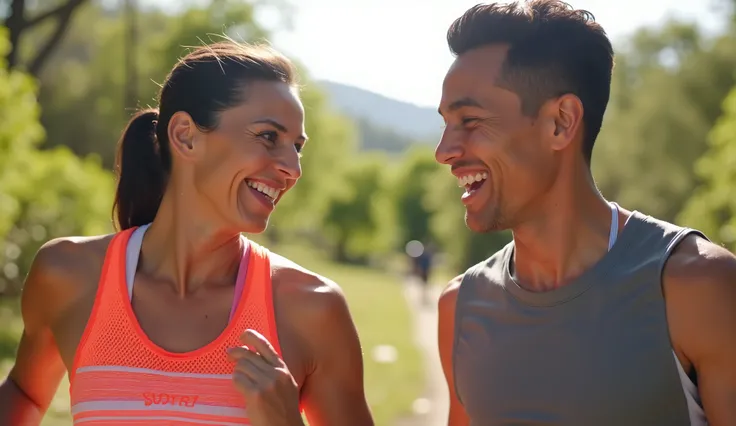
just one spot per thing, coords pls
(480, 224)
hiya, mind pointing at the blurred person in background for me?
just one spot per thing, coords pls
(421, 257)
(178, 318)
(424, 264)
(594, 314)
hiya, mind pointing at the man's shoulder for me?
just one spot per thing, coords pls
(448, 298)
(696, 257)
(665, 227)
(697, 260)
(699, 280)
(451, 289)
(450, 292)
(699, 285)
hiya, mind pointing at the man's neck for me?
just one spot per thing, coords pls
(183, 248)
(568, 236)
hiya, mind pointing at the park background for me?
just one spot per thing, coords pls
(73, 71)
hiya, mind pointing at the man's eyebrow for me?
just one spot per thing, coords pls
(462, 102)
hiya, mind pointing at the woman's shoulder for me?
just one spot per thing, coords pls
(71, 255)
(65, 269)
(313, 308)
(304, 291)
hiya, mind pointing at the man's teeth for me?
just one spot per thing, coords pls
(470, 179)
(272, 193)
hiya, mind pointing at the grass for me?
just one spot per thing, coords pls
(380, 313)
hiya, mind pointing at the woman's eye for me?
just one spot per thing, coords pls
(269, 136)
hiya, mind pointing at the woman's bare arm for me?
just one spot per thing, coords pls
(333, 394)
(38, 369)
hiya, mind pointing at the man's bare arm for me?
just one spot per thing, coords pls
(26, 394)
(445, 337)
(700, 291)
(333, 394)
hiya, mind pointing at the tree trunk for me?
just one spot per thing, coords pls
(17, 24)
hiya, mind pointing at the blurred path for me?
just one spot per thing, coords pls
(432, 408)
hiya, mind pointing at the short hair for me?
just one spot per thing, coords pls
(554, 50)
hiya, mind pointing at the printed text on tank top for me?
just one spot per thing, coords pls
(120, 377)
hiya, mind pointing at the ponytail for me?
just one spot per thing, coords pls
(142, 166)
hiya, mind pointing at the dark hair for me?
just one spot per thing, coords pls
(204, 83)
(553, 50)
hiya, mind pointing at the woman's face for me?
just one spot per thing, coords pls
(253, 156)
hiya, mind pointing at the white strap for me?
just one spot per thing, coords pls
(132, 254)
(614, 225)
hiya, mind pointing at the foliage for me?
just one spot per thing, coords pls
(668, 86)
(43, 194)
(413, 185)
(712, 208)
(19, 133)
(359, 218)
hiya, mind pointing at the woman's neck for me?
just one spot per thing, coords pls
(183, 247)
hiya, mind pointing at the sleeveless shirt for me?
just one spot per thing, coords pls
(119, 376)
(595, 352)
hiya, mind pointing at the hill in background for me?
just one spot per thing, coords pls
(384, 124)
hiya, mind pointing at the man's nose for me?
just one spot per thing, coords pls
(449, 148)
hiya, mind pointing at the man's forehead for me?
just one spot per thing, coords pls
(474, 71)
(472, 77)
(484, 62)
(474, 80)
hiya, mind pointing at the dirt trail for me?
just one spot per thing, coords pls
(432, 408)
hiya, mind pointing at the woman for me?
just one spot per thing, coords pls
(151, 322)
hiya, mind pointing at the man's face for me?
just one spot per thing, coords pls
(503, 159)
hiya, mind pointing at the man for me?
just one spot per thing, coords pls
(594, 315)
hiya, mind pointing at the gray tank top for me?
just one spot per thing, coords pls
(595, 352)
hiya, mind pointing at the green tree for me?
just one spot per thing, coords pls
(668, 86)
(43, 194)
(359, 218)
(411, 191)
(22, 18)
(712, 208)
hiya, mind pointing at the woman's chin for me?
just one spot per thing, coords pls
(253, 225)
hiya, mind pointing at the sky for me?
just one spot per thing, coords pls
(398, 48)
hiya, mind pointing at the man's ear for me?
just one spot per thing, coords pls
(565, 116)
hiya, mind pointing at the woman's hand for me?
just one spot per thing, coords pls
(271, 393)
